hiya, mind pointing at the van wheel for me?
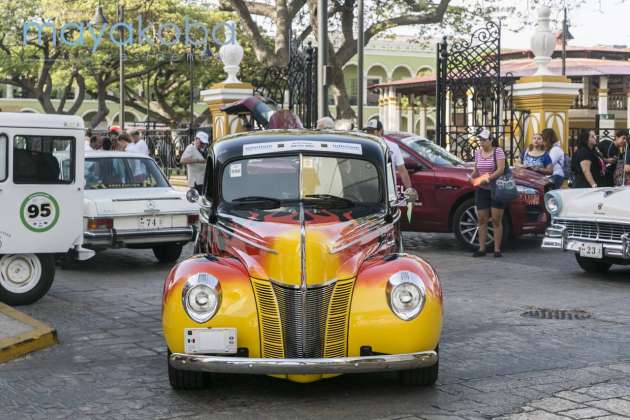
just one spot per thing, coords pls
(591, 265)
(420, 377)
(167, 253)
(25, 278)
(185, 379)
(465, 226)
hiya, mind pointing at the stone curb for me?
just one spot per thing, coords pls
(38, 337)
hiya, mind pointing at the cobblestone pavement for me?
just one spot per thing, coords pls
(495, 363)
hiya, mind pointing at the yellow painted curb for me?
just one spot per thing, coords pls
(39, 337)
(179, 181)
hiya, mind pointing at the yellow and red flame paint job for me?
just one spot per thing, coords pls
(338, 247)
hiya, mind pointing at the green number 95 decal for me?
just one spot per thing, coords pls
(39, 212)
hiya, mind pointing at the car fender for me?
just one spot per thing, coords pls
(372, 322)
(237, 309)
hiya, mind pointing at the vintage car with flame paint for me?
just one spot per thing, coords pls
(594, 223)
(299, 272)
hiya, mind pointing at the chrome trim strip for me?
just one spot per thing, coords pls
(147, 198)
(364, 364)
(240, 237)
(366, 237)
(596, 220)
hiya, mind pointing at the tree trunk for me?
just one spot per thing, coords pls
(340, 93)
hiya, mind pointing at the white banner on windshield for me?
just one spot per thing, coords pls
(307, 145)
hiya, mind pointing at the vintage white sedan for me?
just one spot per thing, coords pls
(129, 203)
(592, 223)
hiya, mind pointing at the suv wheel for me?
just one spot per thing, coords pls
(465, 226)
(591, 265)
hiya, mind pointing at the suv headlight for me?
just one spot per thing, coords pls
(553, 203)
(201, 297)
(406, 295)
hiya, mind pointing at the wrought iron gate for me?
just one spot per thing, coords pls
(472, 94)
(293, 86)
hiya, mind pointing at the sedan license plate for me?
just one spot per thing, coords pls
(590, 250)
(210, 340)
(151, 222)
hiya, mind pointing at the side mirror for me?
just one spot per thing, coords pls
(413, 166)
(192, 195)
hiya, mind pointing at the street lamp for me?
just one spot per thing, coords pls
(99, 17)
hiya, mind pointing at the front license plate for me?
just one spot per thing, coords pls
(151, 222)
(210, 340)
(590, 250)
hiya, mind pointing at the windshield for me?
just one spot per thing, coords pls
(432, 152)
(338, 181)
(122, 172)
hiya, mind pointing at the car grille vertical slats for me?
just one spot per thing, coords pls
(609, 232)
(296, 323)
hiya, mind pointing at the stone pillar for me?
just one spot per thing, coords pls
(411, 122)
(470, 94)
(228, 91)
(382, 105)
(9, 91)
(602, 103)
(547, 97)
(586, 91)
(628, 108)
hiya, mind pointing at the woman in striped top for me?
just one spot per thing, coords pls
(489, 165)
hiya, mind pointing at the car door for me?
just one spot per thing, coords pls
(423, 216)
(42, 195)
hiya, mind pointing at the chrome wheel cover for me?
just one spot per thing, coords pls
(469, 230)
(20, 273)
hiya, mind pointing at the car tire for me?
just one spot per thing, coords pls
(167, 253)
(592, 266)
(18, 290)
(186, 380)
(420, 377)
(465, 222)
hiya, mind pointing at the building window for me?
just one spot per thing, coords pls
(43, 160)
(372, 94)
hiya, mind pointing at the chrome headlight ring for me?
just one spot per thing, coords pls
(553, 203)
(406, 295)
(201, 297)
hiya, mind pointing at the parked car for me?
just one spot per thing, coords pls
(41, 188)
(299, 274)
(592, 223)
(446, 200)
(128, 202)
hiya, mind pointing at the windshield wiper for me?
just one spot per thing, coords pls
(332, 198)
(255, 200)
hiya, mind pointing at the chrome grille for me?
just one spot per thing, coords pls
(337, 324)
(608, 232)
(303, 314)
(269, 320)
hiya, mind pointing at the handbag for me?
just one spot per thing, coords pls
(504, 187)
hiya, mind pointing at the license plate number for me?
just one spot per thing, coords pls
(151, 222)
(589, 250)
(210, 340)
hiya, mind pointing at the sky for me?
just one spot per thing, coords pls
(589, 25)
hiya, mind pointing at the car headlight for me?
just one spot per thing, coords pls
(553, 203)
(526, 190)
(406, 295)
(201, 297)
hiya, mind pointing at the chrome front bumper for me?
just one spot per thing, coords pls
(363, 364)
(113, 236)
(556, 237)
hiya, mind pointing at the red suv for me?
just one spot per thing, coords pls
(446, 200)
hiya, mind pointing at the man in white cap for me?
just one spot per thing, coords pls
(325, 123)
(195, 160)
(375, 127)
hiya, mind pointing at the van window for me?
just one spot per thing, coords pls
(43, 160)
(4, 157)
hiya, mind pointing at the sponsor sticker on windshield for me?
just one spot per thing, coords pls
(235, 170)
(301, 145)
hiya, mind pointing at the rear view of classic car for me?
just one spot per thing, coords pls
(592, 223)
(128, 202)
(300, 274)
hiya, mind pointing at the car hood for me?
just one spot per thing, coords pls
(316, 250)
(595, 203)
(126, 201)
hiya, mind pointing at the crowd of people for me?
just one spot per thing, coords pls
(116, 139)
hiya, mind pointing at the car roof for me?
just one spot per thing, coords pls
(109, 154)
(35, 120)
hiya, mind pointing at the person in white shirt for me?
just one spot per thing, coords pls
(195, 161)
(375, 127)
(138, 145)
(557, 156)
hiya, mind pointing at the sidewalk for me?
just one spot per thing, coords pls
(21, 334)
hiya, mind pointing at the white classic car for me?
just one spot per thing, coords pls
(593, 223)
(129, 203)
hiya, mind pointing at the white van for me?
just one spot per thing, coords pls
(41, 200)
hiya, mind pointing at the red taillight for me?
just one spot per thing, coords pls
(100, 223)
(193, 219)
